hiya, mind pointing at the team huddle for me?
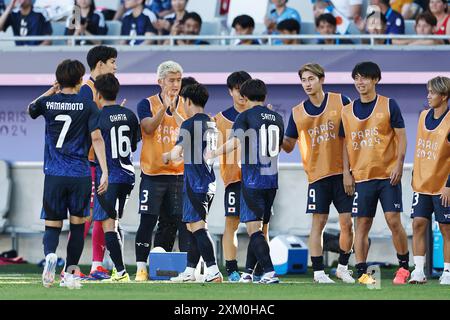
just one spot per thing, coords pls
(352, 152)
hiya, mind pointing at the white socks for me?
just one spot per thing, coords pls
(189, 270)
(96, 264)
(318, 273)
(419, 262)
(141, 266)
(342, 267)
(213, 269)
(447, 266)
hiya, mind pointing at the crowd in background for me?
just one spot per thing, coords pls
(170, 17)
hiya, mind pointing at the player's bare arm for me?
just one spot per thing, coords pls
(445, 196)
(349, 181)
(99, 147)
(288, 144)
(150, 124)
(229, 146)
(53, 90)
(396, 174)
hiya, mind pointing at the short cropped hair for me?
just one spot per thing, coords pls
(367, 69)
(100, 53)
(440, 85)
(168, 67)
(197, 93)
(289, 25)
(254, 90)
(327, 17)
(236, 79)
(314, 68)
(194, 16)
(108, 86)
(69, 72)
(244, 20)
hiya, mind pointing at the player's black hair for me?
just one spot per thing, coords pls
(197, 93)
(194, 16)
(186, 81)
(327, 17)
(69, 72)
(108, 86)
(254, 90)
(380, 14)
(244, 20)
(236, 79)
(289, 25)
(367, 69)
(100, 53)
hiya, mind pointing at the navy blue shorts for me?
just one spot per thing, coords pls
(161, 193)
(66, 194)
(424, 205)
(111, 204)
(256, 204)
(368, 193)
(325, 191)
(232, 199)
(196, 205)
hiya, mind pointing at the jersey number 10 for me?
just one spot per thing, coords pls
(269, 139)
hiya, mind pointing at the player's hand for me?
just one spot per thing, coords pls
(11, 5)
(124, 101)
(103, 187)
(269, 106)
(396, 174)
(169, 101)
(209, 155)
(166, 157)
(445, 197)
(349, 184)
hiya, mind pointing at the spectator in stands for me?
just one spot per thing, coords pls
(376, 23)
(279, 13)
(326, 24)
(92, 22)
(26, 21)
(289, 27)
(395, 22)
(138, 20)
(244, 25)
(351, 9)
(425, 25)
(439, 8)
(319, 7)
(161, 7)
(412, 10)
(190, 25)
(179, 8)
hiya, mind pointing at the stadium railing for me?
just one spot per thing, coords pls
(225, 39)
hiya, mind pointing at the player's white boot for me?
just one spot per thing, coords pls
(188, 275)
(213, 274)
(321, 277)
(48, 275)
(445, 278)
(70, 281)
(269, 278)
(344, 274)
(246, 278)
(418, 277)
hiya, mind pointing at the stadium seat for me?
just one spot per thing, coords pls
(58, 30)
(114, 28)
(5, 193)
(308, 28)
(7, 33)
(410, 27)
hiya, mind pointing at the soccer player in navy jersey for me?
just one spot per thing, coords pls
(198, 135)
(259, 132)
(120, 131)
(26, 20)
(71, 123)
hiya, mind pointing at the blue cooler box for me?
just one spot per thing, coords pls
(164, 265)
(289, 254)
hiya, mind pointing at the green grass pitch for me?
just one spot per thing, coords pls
(24, 282)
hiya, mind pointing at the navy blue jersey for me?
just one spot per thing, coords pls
(395, 23)
(139, 25)
(312, 110)
(120, 130)
(260, 131)
(36, 23)
(69, 121)
(363, 110)
(197, 134)
(95, 21)
(86, 91)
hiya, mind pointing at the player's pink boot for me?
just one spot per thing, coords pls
(401, 276)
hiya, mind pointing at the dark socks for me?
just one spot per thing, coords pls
(344, 257)
(51, 239)
(193, 254)
(251, 261)
(231, 266)
(403, 260)
(205, 246)
(361, 268)
(183, 236)
(261, 250)
(112, 240)
(144, 236)
(317, 263)
(75, 244)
